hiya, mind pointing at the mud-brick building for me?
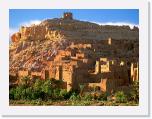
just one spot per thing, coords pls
(114, 74)
(111, 72)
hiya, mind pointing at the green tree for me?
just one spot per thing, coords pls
(37, 85)
(56, 93)
(29, 93)
(46, 87)
(18, 92)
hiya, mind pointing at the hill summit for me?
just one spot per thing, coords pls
(75, 52)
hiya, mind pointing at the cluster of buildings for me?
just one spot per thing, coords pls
(104, 65)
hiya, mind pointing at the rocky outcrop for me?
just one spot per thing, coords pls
(73, 29)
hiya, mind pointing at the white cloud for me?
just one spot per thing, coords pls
(29, 23)
(117, 24)
(13, 30)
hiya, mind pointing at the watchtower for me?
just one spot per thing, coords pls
(68, 15)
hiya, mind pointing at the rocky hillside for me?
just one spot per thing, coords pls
(32, 46)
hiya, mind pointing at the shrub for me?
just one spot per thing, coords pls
(36, 95)
(23, 94)
(37, 85)
(17, 96)
(74, 97)
(56, 93)
(87, 97)
(134, 94)
(38, 89)
(12, 93)
(68, 94)
(46, 88)
(29, 93)
(25, 81)
(19, 91)
(120, 97)
(63, 93)
(102, 96)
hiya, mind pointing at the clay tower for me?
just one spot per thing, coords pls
(68, 15)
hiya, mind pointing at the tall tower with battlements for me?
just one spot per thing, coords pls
(68, 15)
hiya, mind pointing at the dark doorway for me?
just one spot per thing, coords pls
(46, 74)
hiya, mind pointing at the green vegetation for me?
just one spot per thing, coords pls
(39, 89)
(49, 92)
(134, 94)
(120, 97)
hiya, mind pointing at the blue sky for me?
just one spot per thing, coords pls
(18, 17)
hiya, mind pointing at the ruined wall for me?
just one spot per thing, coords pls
(36, 75)
(33, 32)
(115, 76)
(59, 72)
(23, 73)
(67, 76)
(54, 35)
(134, 72)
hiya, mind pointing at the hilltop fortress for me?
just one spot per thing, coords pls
(76, 52)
